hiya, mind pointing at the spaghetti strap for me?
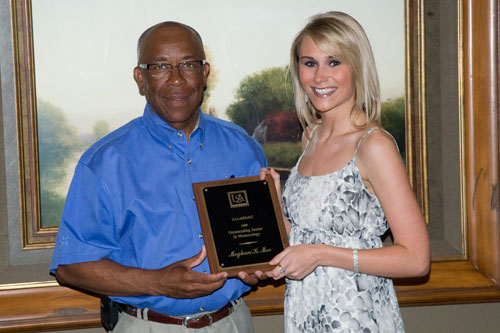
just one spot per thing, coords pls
(307, 145)
(368, 132)
(312, 132)
(363, 137)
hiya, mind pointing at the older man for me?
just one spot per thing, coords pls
(130, 228)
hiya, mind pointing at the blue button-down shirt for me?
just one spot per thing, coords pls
(131, 200)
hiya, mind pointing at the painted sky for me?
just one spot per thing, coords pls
(85, 50)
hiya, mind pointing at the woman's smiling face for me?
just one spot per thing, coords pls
(325, 79)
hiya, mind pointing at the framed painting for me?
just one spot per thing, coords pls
(65, 111)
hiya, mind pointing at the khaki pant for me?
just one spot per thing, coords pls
(240, 321)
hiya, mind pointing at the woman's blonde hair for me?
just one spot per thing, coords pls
(339, 35)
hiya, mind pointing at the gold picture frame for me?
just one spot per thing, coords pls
(34, 236)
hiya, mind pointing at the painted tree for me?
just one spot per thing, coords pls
(393, 120)
(57, 143)
(260, 93)
(100, 129)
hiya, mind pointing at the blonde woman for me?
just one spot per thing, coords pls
(347, 189)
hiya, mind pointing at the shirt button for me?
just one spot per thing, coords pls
(200, 235)
(202, 309)
(189, 161)
(201, 144)
(170, 147)
(179, 134)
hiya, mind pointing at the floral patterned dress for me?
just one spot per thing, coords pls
(337, 209)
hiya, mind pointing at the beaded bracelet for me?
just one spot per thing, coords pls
(355, 260)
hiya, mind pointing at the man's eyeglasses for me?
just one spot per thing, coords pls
(164, 69)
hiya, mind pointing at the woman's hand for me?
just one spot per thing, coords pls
(295, 262)
(276, 178)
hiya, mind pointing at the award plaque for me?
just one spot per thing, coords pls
(242, 223)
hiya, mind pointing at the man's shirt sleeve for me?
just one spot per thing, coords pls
(87, 230)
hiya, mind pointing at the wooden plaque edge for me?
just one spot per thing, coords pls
(208, 238)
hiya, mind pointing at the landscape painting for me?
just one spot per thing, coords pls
(85, 51)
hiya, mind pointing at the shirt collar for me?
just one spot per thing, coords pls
(163, 131)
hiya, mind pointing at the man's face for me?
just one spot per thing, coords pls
(176, 97)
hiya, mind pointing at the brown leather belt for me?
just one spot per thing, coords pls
(196, 321)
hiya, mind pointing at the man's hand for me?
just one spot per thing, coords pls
(107, 277)
(252, 279)
(180, 281)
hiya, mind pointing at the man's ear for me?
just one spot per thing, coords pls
(206, 72)
(139, 80)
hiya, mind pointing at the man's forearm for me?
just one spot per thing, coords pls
(178, 280)
(106, 277)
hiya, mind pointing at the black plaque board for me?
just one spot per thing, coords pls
(242, 223)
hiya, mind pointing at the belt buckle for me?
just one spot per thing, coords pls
(197, 318)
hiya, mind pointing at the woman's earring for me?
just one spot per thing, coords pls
(306, 98)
